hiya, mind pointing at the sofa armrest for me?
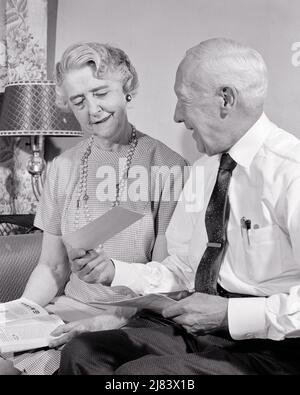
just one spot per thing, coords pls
(16, 224)
(19, 255)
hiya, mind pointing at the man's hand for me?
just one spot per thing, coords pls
(199, 314)
(92, 266)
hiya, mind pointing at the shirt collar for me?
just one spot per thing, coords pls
(245, 149)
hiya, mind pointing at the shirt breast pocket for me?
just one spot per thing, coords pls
(263, 253)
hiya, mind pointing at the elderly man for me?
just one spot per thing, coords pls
(238, 256)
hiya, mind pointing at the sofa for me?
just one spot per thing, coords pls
(19, 255)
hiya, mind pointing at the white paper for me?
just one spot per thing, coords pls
(24, 325)
(70, 310)
(20, 309)
(153, 302)
(28, 334)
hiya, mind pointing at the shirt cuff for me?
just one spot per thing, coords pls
(246, 318)
(124, 275)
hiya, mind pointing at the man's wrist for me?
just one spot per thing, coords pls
(246, 318)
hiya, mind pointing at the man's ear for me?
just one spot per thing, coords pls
(228, 97)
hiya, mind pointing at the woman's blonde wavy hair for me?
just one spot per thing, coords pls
(103, 58)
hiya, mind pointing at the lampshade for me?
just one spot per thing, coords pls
(29, 109)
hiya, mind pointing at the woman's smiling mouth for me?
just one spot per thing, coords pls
(101, 120)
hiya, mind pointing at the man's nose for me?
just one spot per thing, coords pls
(178, 114)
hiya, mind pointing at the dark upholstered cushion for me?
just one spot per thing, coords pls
(19, 255)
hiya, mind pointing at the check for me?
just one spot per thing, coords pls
(101, 229)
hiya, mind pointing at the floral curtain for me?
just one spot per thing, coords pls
(23, 56)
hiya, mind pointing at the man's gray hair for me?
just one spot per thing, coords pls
(230, 63)
(103, 58)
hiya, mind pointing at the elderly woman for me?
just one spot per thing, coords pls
(96, 82)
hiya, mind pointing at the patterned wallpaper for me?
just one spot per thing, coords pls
(23, 56)
(3, 57)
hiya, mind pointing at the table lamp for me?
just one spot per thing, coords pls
(29, 109)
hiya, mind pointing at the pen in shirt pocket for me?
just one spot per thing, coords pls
(246, 224)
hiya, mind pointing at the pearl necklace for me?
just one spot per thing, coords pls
(82, 190)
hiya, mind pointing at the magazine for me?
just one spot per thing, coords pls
(24, 325)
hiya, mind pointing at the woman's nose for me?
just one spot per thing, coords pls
(93, 107)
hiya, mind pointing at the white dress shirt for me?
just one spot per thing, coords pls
(263, 261)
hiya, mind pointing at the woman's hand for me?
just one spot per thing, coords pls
(92, 266)
(112, 318)
(68, 331)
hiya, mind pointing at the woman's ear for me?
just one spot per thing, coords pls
(229, 97)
